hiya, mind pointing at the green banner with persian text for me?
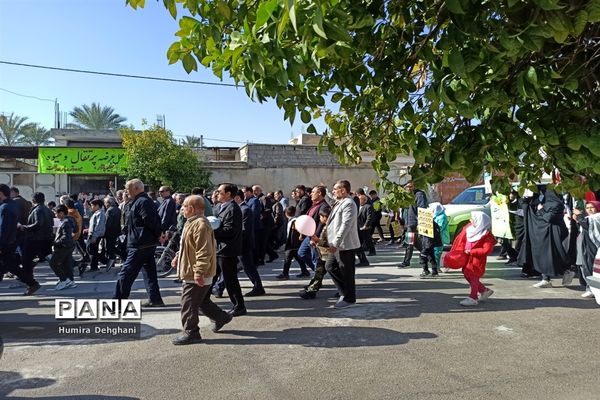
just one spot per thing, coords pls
(71, 160)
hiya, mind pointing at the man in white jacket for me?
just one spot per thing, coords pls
(343, 240)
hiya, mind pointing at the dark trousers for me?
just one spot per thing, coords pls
(341, 267)
(290, 255)
(194, 297)
(428, 255)
(317, 281)
(31, 249)
(83, 246)
(366, 240)
(260, 245)
(138, 259)
(92, 250)
(9, 262)
(228, 266)
(61, 263)
(377, 227)
(110, 247)
(391, 229)
(250, 268)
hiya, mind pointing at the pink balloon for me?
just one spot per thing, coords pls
(305, 225)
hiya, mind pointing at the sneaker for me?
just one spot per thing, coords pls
(403, 265)
(70, 284)
(485, 295)
(445, 270)
(149, 304)
(435, 274)
(468, 302)
(568, 277)
(343, 304)
(282, 277)
(543, 284)
(587, 294)
(62, 285)
(424, 273)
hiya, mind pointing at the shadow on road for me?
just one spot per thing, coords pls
(328, 337)
(11, 381)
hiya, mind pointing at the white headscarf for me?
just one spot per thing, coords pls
(594, 228)
(436, 208)
(480, 224)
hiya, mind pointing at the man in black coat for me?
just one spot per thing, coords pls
(365, 224)
(412, 220)
(304, 202)
(143, 231)
(39, 234)
(229, 245)
(112, 231)
(167, 210)
(22, 205)
(8, 241)
(248, 241)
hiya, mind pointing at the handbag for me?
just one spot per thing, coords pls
(456, 259)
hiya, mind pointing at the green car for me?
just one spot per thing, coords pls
(459, 209)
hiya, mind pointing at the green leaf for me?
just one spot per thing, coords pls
(456, 63)
(580, 22)
(336, 97)
(548, 4)
(189, 63)
(224, 10)
(317, 24)
(454, 6)
(170, 5)
(291, 7)
(311, 129)
(593, 10)
(264, 12)
(305, 116)
(532, 76)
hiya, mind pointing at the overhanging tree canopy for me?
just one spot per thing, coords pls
(462, 85)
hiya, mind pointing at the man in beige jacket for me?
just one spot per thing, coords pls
(197, 264)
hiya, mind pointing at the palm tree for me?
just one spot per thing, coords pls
(37, 135)
(192, 141)
(95, 117)
(12, 129)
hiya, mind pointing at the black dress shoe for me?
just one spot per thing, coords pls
(308, 295)
(255, 293)
(363, 264)
(151, 304)
(236, 312)
(186, 339)
(218, 325)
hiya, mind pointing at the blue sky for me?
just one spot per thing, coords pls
(107, 36)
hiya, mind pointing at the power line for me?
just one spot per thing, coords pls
(153, 78)
(24, 95)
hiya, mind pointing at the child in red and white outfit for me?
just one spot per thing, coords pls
(477, 242)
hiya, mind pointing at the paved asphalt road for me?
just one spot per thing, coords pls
(407, 338)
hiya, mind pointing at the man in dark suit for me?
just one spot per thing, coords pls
(143, 231)
(9, 261)
(248, 247)
(229, 245)
(167, 210)
(412, 220)
(304, 202)
(39, 235)
(365, 224)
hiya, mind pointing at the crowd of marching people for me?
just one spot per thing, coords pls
(324, 231)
